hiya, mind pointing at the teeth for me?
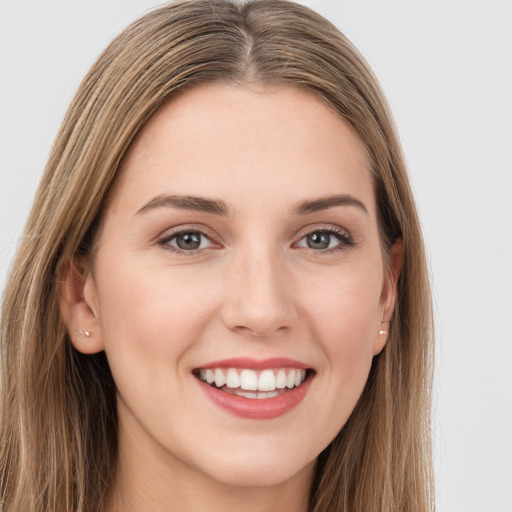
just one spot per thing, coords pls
(220, 378)
(265, 381)
(232, 379)
(249, 380)
(259, 395)
(281, 379)
(299, 378)
(210, 376)
(290, 380)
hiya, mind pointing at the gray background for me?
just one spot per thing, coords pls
(446, 67)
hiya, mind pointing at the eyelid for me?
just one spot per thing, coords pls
(346, 239)
(327, 228)
(344, 236)
(170, 233)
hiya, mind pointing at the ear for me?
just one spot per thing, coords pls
(78, 299)
(388, 295)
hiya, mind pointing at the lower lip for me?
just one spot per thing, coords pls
(253, 408)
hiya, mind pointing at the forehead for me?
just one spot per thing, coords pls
(234, 142)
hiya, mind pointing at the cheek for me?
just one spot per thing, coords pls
(341, 311)
(150, 316)
(344, 315)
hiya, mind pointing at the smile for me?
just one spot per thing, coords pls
(255, 389)
(253, 384)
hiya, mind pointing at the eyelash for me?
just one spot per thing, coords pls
(164, 242)
(345, 239)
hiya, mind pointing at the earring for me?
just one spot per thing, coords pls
(382, 331)
(81, 334)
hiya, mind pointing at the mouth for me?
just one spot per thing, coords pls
(253, 384)
(253, 389)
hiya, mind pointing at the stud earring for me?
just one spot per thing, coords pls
(382, 331)
(81, 334)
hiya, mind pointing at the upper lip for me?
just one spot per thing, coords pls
(256, 364)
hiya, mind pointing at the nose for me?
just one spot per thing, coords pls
(259, 299)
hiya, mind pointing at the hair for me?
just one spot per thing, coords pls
(58, 406)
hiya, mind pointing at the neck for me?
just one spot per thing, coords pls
(149, 479)
(174, 498)
(132, 494)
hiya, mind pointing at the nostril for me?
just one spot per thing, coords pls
(259, 298)
(260, 332)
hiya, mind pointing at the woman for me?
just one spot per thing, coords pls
(221, 299)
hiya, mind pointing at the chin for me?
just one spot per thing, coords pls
(247, 473)
(259, 464)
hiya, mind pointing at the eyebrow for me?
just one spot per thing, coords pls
(219, 207)
(198, 204)
(323, 203)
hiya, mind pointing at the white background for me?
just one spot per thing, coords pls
(446, 67)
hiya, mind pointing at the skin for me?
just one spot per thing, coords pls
(254, 288)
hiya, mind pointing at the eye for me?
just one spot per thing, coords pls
(325, 240)
(186, 241)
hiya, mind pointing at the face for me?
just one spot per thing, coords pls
(238, 286)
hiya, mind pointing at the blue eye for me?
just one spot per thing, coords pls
(187, 241)
(322, 239)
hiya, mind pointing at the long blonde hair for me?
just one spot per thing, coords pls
(58, 411)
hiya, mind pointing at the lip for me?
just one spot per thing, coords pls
(256, 364)
(259, 409)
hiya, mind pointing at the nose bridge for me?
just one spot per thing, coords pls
(260, 298)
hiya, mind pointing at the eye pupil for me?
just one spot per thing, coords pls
(318, 240)
(188, 241)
